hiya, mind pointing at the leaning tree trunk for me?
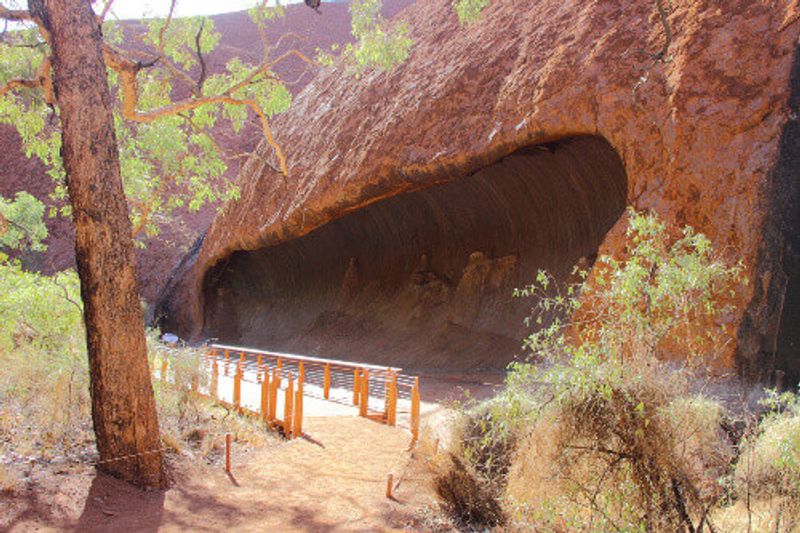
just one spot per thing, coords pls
(123, 405)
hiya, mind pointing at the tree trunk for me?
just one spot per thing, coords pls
(123, 405)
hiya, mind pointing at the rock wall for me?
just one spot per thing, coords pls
(701, 135)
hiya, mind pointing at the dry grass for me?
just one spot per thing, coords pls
(45, 413)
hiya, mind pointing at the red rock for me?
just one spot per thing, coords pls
(707, 138)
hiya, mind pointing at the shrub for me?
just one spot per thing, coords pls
(45, 407)
(601, 431)
(769, 465)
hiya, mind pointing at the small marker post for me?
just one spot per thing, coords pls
(228, 453)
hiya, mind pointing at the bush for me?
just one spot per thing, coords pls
(769, 465)
(597, 431)
(45, 406)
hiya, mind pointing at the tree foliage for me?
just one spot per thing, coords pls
(469, 10)
(378, 45)
(21, 224)
(170, 154)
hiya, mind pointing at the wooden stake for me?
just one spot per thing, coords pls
(228, 453)
(287, 411)
(227, 360)
(260, 370)
(389, 481)
(415, 401)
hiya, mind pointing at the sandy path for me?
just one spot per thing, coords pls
(332, 480)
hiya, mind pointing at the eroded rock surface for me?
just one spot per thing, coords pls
(393, 211)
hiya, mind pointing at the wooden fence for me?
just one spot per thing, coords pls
(376, 390)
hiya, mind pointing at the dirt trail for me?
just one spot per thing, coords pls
(332, 480)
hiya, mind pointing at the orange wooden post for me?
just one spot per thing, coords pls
(279, 364)
(287, 408)
(227, 360)
(297, 426)
(356, 385)
(301, 371)
(415, 409)
(389, 486)
(211, 352)
(237, 387)
(386, 394)
(265, 393)
(273, 394)
(392, 421)
(326, 384)
(228, 452)
(214, 387)
(261, 369)
(363, 403)
(242, 359)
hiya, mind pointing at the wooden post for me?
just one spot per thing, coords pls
(392, 421)
(265, 394)
(211, 353)
(227, 360)
(260, 370)
(214, 387)
(279, 364)
(389, 486)
(273, 394)
(301, 371)
(297, 426)
(356, 385)
(363, 404)
(326, 384)
(228, 453)
(415, 409)
(287, 408)
(241, 358)
(237, 387)
(386, 394)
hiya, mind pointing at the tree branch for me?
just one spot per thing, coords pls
(54, 279)
(127, 70)
(202, 79)
(106, 9)
(41, 79)
(17, 15)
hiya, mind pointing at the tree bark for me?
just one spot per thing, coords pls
(123, 404)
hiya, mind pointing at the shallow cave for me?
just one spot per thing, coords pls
(424, 279)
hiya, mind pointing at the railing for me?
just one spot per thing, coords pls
(376, 390)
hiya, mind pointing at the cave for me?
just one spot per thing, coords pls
(424, 279)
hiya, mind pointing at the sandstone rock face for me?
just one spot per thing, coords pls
(299, 29)
(417, 199)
